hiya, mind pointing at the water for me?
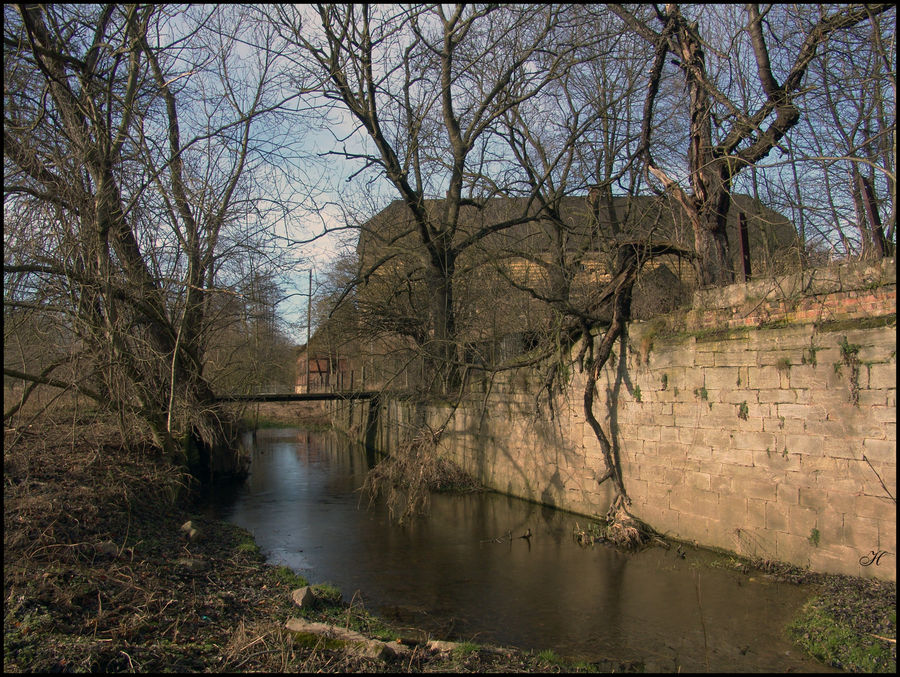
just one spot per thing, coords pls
(448, 575)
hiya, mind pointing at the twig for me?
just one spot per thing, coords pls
(499, 539)
(880, 480)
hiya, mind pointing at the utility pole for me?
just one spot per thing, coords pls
(308, 324)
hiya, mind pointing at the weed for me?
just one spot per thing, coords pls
(286, 576)
(249, 547)
(637, 393)
(783, 364)
(550, 656)
(814, 537)
(701, 393)
(743, 411)
(847, 349)
(850, 357)
(327, 593)
(811, 351)
(466, 648)
(665, 381)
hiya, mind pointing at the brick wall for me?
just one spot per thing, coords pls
(772, 436)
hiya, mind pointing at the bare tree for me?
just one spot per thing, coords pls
(129, 160)
(845, 146)
(426, 85)
(725, 138)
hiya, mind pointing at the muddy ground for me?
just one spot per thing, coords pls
(99, 576)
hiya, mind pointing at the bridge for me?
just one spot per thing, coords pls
(301, 397)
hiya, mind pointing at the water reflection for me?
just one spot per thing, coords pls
(449, 574)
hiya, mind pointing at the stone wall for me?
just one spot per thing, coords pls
(762, 421)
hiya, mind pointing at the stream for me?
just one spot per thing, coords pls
(455, 574)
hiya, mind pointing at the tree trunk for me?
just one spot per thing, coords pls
(441, 369)
(712, 247)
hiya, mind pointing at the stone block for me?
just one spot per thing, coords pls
(754, 440)
(879, 351)
(887, 539)
(877, 507)
(884, 415)
(756, 488)
(714, 437)
(880, 451)
(836, 559)
(697, 480)
(738, 395)
(738, 356)
(673, 476)
(732, 511)
(882, 376)
(808, 376)
(762, 378)
(804, 395)
(686, 413)
(808, 445)
(843, 447)
(848, 485)
(756, 513)
(802, 520)
(733, 457)
(834, 399)
(814, 498)
(694, 501)
(776, 396)
(787, 494)
(777, 517)
(773, 424)
(793, 548)
(872, 398)
(721, 417)
(721, 377)
(722, 484)
(807, 412)
(860, 533)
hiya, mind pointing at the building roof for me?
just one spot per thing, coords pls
(657, 218)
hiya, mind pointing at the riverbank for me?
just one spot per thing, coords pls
(99, 575)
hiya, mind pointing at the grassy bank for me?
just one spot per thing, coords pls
(851, 624)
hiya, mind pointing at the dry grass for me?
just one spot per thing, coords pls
(407, 477)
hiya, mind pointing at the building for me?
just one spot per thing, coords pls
(568, 256)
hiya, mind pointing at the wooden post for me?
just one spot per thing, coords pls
(745, 245)
(308, 323)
